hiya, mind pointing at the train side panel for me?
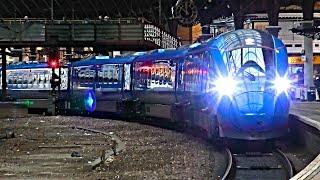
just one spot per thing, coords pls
(30, 83)
(195, 84)
(110, 80)
(154, 86)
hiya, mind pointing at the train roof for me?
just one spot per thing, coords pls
(27, 65)
(162, 54)
(239, 39)
(93, 60)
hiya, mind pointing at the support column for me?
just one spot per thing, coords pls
(308, 64)
(4, 74)
(68, 54)
(307, 10)
(205, 33)
(20, 56)
(68, 50)
(273, 17)
(238, 13)
(274, 30)
(33, 54)
(173, 26)
(238, 21)
(190, 35)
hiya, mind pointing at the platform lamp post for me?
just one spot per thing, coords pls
(51, 10)
(54, 63)
(308, 63)
(309, 32)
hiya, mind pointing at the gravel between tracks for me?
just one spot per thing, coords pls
(43, 146)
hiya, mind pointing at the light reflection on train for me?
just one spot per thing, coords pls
(159, 74)
(234, 85)
(110, 79)
(21, 77)
(96, 75)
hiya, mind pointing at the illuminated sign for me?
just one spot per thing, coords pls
(295, 60)
(298, 60)
(249, 41)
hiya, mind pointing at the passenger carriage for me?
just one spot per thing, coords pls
(30, 83)
(155, 82)
(233, 85)
(105, 81)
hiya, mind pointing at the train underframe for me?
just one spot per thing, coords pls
(184, 113)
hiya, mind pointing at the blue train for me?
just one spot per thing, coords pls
(106, 81)
(233, 86)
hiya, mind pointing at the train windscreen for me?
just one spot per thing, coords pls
(251, 67)
(249, 62)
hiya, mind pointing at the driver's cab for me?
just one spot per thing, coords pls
(252, 68)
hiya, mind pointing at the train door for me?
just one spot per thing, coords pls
(194, 82)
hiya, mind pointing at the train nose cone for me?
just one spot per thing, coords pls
(260, 123)
(253, 121)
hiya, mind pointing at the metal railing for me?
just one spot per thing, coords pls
(159, 37)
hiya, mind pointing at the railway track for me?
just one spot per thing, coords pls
(248, 165)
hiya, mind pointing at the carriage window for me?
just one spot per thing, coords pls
(159, 75)
(208, 71)
(109, 74)
(127, 76)
(34, 79)
(83, 76)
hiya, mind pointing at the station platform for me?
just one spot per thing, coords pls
(308, 113)
(309, 110)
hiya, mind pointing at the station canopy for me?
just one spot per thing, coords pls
(81, 9)
(207, 10)
(104, 9)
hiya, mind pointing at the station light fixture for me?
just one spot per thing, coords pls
(53, 60)
(53, 64)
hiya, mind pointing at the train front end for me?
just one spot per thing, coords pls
(252, 87)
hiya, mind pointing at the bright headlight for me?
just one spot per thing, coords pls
(225, 86)
(281, 84)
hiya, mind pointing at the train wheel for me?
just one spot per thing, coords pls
(214, 130)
